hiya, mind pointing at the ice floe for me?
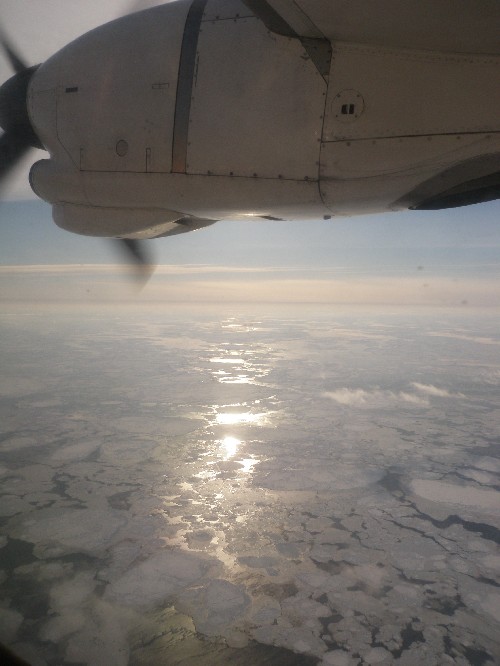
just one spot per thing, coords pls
(59, 531)
(156, 579)
(465, 496)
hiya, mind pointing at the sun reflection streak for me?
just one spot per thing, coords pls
(235, 418)
(248, 464)
(239, 379)
(232, 360)
(236, 363)
(231, 446)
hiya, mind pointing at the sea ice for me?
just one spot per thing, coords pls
(61, 626)
(264, 610)
(72, 593)
(377, 656)
(44, 571)
(338, 658)
(10, 621)
(324, 542)
(256, 562)
(75, 451)
(214, 607)
(15, 386)
(483, 599)
(157, 578)
(69, 530)
(488, 463)
(167, 426)
(16, 443)
(11, 505)
(314, 477)
(467, 496)
(28, 480)
(103, 640)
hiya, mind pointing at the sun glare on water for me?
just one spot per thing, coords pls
(228, 418)
(230, 446)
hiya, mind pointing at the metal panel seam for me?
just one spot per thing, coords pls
(318, 49)
(187, 64)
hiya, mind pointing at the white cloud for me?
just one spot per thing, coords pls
(380, 398)
(429, 389)
(469, 338)
(374, 398)
(345, 396)
(412, 398)
(191, 283)
(350, 334)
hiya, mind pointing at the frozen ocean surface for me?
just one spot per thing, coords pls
(273, 487)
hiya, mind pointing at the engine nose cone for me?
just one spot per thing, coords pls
(14, 118)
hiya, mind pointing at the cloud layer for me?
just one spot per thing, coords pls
(223, 284)
(379, 398)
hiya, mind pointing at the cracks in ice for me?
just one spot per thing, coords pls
(489, 532)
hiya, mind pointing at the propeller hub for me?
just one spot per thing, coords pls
(14, 117)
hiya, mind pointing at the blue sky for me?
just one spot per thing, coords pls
(465, 240)
(433, 259)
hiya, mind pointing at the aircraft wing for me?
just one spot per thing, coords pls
(452, 26)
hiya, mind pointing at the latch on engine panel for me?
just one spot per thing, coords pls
(348, 105)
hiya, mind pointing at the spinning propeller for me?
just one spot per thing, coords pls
(19, 137)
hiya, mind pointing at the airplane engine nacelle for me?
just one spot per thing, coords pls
(106, 102)
(201, 110)
(169, 110)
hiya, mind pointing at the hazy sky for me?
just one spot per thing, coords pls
(446, 259)
(449, 257)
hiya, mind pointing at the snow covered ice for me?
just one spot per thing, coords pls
(305, 487)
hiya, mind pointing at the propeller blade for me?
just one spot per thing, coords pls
(13, 147)
(17, 63)
(135, 250)
(139, 257)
